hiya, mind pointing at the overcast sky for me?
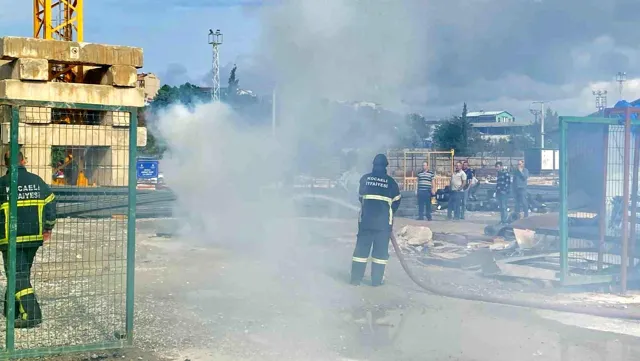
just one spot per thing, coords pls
(424, 55)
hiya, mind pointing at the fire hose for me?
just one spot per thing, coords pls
(440, 291)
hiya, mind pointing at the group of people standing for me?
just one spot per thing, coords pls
(463, 180)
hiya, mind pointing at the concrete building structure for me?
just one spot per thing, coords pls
(97, 140)
(499, 116)
(498, 131)
(150, 84)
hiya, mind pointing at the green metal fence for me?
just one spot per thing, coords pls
(84, 275)
(596, 167)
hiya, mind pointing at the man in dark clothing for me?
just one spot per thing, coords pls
(520, 179)
(467, 188)
(502, 191)
(36, 218)
(425, 191)
(379, 199)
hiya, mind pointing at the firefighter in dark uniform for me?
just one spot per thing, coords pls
(36, 219)
(379, 199)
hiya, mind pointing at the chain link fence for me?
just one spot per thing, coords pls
(82, 277)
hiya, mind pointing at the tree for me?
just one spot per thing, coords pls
(417, 125)
(465, 125)
(186, 94)
(232, 87)
(458, 134)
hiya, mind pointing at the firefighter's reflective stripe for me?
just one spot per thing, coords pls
(19, 294)
(389, 201)
(28, 203)
(360, 259)
(379, 261)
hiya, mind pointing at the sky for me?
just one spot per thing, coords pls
(494, 55)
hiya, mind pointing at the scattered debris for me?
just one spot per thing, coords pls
(415, 236)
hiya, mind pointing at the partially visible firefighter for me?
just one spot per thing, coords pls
(36, 217)
(380, 199)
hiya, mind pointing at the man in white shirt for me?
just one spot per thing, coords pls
(458, 183)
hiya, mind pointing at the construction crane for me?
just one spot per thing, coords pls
(63, 20)
(60, 20)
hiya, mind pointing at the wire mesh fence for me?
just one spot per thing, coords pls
(73, 286)
(405, 164)
(593, 167)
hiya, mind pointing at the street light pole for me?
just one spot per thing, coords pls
(621, 78)
(601, 100)
(215, 40)
(541, 112)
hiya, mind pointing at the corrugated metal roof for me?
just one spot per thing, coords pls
(478, 114)
(501, 125)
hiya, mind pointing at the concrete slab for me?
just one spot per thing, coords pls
(72, 93)
(25, 69)
(121, 75)
(73, 135)
(29, 115)
(117, 75)
(70, 52)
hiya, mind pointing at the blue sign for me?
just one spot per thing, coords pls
(147, 169)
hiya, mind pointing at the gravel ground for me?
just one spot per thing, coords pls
(286, 299)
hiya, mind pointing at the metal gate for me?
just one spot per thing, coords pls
(598, 197)
(83, 276)
(404, 164)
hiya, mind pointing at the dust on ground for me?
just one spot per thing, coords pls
(198, 300)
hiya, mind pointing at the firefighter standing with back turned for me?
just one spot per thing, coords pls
(379, 199)
(36, 218)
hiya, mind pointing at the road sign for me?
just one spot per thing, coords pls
(147, 169)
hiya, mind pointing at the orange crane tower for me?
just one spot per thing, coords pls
(62, 20)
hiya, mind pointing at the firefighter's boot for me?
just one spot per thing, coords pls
(377, 274)
(30, 313)
(358, 267)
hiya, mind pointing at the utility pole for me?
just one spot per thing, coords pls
(621, 78)
(215, 40)
(601, 100)
(539, 112)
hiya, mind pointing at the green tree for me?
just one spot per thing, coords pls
(457, 133)
(186, 94)
(232, 85)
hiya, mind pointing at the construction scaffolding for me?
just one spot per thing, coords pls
(404, 165)
(84, 276)
(598, 196)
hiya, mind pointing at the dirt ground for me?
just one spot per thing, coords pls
(286, 297)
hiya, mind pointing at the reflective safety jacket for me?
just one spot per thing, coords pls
(380, 199)
(36, 209)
